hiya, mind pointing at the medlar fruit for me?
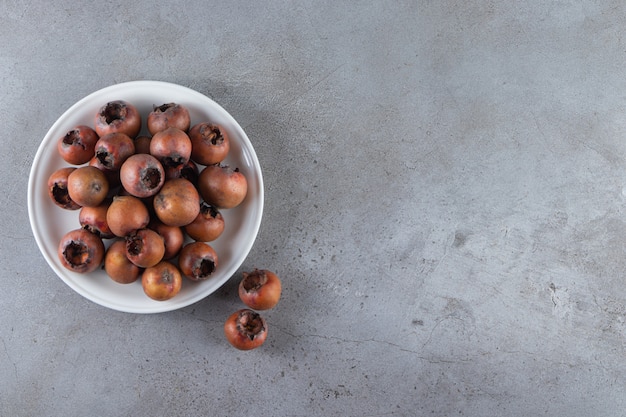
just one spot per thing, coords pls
(177, 203)
(197, 261)
(127, 214)
(222, 186)
(57, 189)
(245, 329)
(171, 146)
(260, 289)
(162, 281)
(87, 186)
(113, 149)
(117, 265)
(208, 224)
(118, 116)
(81, 251)
(94, 219)
(168, 115)
(142, 175)
(145, 248)
(209, 143)
(78, 145)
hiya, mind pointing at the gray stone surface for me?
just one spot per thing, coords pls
(445, 186)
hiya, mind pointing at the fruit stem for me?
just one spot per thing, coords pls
(254, 280)
(250, 324)
(114, 111)
(76, 253)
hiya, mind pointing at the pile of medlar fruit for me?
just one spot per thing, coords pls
(145, 195)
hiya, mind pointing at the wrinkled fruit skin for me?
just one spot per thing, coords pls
(210, 143)
(117, 265)
(142, 175)
(81, 251)
(162, 281)
(78, 145)
(260, 289)
(168, 115)
(222, 186)
(57, 189)
(245, 329)
(118, 116)
(197, 261)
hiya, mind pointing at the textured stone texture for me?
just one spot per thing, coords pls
(445, 183)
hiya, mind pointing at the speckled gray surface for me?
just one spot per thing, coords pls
(445, 183)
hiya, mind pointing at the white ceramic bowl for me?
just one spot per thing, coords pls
(50, 222)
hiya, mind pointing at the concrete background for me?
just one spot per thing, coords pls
(445, 188)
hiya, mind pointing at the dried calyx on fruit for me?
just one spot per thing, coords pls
(145, 248)
(77, 146)
(171, 146)
(81, 251)
(142, 175)
(210, 143)
(260, 289)
(197, 261)
(168, 115)
(207, 226)
(57, 189)
(245, 329)
(113, 149)
(94, 219)
(118, 116)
